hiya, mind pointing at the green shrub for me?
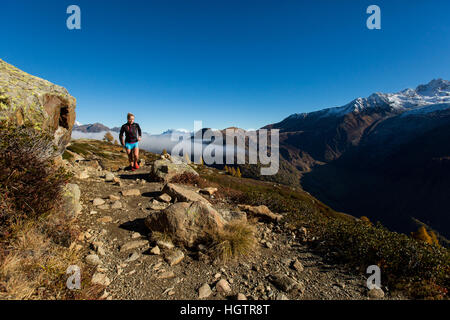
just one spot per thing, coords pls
(404, 261)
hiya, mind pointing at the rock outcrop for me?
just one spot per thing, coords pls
(166, 169)
(185, 222)
(26, 99)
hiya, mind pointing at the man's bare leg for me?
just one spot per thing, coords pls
(130, 157)
(136, 156)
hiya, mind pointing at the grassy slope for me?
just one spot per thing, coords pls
(419, 269)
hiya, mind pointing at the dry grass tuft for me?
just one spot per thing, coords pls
(234, 240)
(33, 266)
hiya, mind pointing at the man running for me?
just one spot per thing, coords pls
(133, 135)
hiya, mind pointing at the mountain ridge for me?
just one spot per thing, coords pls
(390, 140)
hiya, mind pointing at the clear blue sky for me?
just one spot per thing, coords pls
(229, 63)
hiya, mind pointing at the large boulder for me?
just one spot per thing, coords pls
(182, 193)
(166, 169)
(26, 99)
(186, 222)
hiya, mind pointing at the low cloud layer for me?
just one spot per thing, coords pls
(152, 143)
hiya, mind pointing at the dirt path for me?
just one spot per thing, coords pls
(139, 274)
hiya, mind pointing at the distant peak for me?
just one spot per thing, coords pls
(434, 87)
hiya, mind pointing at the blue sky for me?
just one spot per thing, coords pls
(228, 63)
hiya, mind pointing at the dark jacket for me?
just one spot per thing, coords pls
(132, 132)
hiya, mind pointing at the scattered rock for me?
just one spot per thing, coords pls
(135, 235)
(155, 250)
(281, 296)
(165, 197)
(376, 293)
(104, 207)
(166, 275)
(261, 211)
(182, 193)
(297, 265)
(204, 291)
(175, 257)
(223, 287)
(157, 266)
(114, 197)
(109, 177)
(104, 295)
(93, 259)
(285, 283)
(156, 205)
(101, 251)
(241, 296)
(116, 205)
(165, 244)
(133, 245)
(82, 175)
(133, 257)
(131, 193)
(98, 202)
(105, 219)
(165, 170)
(209, 191)
(101, 279)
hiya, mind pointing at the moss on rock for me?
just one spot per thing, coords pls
(26, 99)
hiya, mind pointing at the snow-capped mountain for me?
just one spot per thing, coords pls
(437, 91)
(369, 156)
(171, 131)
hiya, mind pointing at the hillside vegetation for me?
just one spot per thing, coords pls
(409, 265)
(419, 268)
(37, 230)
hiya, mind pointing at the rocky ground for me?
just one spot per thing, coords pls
(114, 207)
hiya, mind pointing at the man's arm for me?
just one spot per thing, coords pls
(140, 132)
(122, 130)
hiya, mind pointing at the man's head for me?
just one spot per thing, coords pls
(130, 118)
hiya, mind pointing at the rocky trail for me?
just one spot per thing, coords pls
(132, 266)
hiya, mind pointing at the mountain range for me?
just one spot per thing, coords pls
(386, 156)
